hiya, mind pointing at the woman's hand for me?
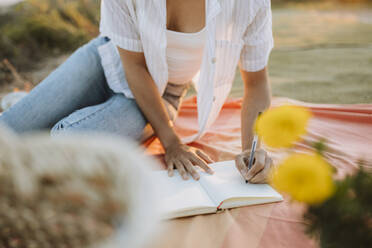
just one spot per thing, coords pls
(183, 158)
(260, 169)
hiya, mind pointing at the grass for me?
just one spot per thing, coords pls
(35, 29)
(323, 50)
(321, 55)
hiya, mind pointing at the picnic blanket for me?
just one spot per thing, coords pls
(348, 130)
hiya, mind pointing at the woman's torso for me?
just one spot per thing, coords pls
(186, 37)
(237, 31)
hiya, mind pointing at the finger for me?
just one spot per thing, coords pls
(199, 162)
(204, 156)
(170, 167)
(262, 176)
(258, 165)
(241, 165)
(181, 169)
(190, 168)
(261, 156)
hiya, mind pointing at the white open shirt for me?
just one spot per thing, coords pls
(239, 32)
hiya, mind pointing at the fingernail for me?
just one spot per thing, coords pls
(196, 177)
(170, 173)
(210, 171)
(185, 177)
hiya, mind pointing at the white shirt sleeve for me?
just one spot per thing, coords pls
(258, 41)
(118, 23)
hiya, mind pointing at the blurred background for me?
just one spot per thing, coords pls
(323, 49)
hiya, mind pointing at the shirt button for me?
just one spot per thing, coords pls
(214, 98)
(214, 60)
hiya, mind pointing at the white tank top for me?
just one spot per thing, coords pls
(184, 55)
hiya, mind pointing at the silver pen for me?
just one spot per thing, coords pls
(253, 150)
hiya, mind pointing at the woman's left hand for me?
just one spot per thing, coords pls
(260, 169)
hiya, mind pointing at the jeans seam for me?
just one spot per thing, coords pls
(89, 116)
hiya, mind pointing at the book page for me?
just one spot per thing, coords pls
(181, 198)
(228, 186)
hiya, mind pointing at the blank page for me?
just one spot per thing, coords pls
(227, 183)
(178, 195)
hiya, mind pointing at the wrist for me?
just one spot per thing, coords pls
(247, 146)
(170, 139)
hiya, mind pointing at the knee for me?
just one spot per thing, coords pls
(99, 40)
(90, 55)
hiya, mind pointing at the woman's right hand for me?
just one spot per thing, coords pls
(183, 158)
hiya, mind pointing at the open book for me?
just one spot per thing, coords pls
(225, 189)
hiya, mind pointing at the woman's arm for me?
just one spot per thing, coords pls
(257, 98)
(149, 100)
(119, 24)
(147, 96)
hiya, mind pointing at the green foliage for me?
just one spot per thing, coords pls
(344, 220)
(36, 28)
(320, 146)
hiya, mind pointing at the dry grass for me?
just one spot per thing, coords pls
(35, 29)
(321, 55)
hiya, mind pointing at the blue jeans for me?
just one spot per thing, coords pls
(76, 97)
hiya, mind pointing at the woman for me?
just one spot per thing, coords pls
(137, 71)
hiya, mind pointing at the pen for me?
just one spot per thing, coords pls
(253, 149)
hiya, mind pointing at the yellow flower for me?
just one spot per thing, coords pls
(282, 126)
(305, 177)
